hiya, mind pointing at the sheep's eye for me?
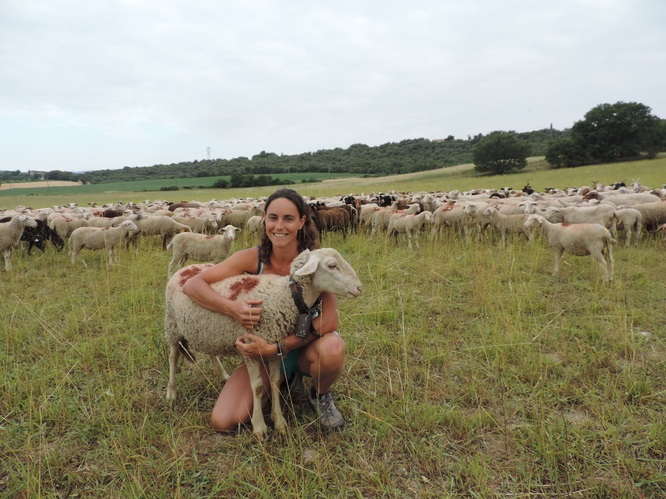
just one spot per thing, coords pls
(332, 266)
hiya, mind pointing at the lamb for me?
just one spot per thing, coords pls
(410, 225)
(10, 235)
(201, 247)
(579, 240)
(631, 220)
(187, 325)
(96, 238)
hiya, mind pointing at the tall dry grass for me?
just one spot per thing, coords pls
(470, 372)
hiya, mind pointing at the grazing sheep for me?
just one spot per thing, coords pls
(579, 240)
(35, 236)
(380, 218)
(476, 218)
(206, 224)
(631, 220)
(366, 213)
(253, 224)
(64, 225)
(654, 214)
(239, 218)
(629, 199)
(158, 225)
(410, 225)
(603, 214)
(187, 325)
(201, 247)
(96, 238)
(332, 219)
(505, 224)
(10, 235)
(449, 215)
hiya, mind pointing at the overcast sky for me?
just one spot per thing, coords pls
(88, 85)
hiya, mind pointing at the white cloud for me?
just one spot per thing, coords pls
(157, 82)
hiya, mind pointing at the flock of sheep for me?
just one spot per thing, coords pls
(581, 222)
(205, 231)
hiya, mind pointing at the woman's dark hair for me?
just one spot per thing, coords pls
(308, 236)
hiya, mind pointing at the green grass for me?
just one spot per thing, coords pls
(650, 172)
(185, 185)
(470, 372)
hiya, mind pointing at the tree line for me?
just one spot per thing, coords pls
(607, 133)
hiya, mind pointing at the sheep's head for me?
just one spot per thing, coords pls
(553, 214)
(324, 270)
(534, 221)
(27, 221)
(229, 231)
(130, 227)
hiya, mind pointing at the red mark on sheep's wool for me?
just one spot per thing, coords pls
(566, 225)
(209, 237)
(188, 273)
(244, 285)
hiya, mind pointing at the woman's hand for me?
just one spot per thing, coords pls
(254, 347)
(246, 313)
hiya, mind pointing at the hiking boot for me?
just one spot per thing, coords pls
(329, 416)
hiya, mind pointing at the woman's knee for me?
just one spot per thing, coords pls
(223, 425)
(328, 352)
(334, 346)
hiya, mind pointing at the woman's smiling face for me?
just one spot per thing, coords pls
(283, 222)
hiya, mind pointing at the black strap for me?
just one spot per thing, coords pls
(298, 297)
(304, 321)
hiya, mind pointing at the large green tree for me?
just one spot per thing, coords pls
(610, 132)
(499, 153)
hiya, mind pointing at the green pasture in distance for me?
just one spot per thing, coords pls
(153, 185)
(651, 173)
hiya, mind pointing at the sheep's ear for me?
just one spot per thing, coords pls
(309, 267)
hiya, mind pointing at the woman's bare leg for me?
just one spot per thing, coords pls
(324, 361)
(234, 404)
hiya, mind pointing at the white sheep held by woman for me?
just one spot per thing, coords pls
(188, 325)
(201, 247)
(97, 238)
(578, 240)
(10, 235)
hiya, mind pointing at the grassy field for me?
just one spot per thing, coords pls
(651, 173)
(470, 372)
(186, 186)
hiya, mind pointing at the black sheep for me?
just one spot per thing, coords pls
(35, 236)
